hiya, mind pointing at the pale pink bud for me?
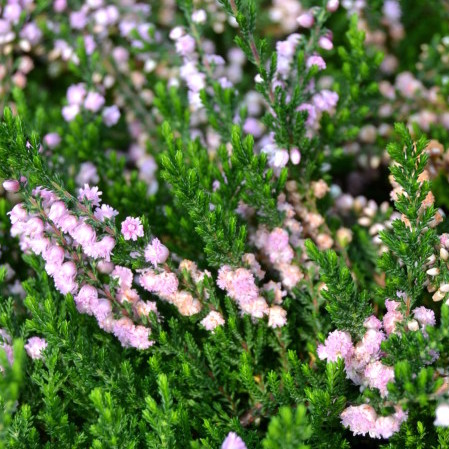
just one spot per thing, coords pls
(332, 5)
(11, 185)
(325, 43)
(306, 20)
(295, 156)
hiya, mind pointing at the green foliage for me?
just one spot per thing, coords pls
(411, 240)
(288, 430)
(346, 306)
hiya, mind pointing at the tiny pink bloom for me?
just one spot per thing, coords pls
(70, 112)
(91, 194)
(277, 317)
(35, 346)
(233, 441)
(105, 212)
(156, 252)
(337, 344)
(52, 140)
(426, 317)
(212, 320)
(94, 101)
(111, 115)
(132, 228)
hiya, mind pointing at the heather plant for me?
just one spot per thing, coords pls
(223, 224)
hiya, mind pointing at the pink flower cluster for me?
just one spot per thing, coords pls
(276, 247)
(363, 419)
(364, 367)
(362, 361)
(79, 98)
(55, 233)
(130, 335)
(44, 234)
(240, 285)
(165, 284)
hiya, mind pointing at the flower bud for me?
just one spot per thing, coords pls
(438, 296)
(295, 156)
(332, 5)
(444, 254)
(433, 272)
(306, 20)
(413, 325)
(11, 185)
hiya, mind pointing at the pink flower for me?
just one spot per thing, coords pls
(185, 45)
(104, 247)
(426, 317)
(325, 43)
(290, 274)
(390, 319)
(233, 441)
(84, 234)
(306, 20)
(101, 308)
(87, 174)
(52, 140)
(78, 20)
(316, 60)
(68, 223)
(332, 5)
(144, 308)
(337, 344)
(76, 94)
(54, 256)
(360, 419)
(186, 304)
(311, 113)
(212, 320)
(124, 276)
(91, 194)
(57, 211)
(163, 284)
(70, 112)
(65, 278)
(35, 346)
(130, 335)
(85, 298)
(94, 101)
(31, 33)
(111, 115)
(156, 252)
(372, 322)
(325, 101)
(277, 246)
(105, 212)
(378, 376)
(132, 228)
(18, 213)
(277, 317)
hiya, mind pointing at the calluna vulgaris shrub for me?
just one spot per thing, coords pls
(223, 224)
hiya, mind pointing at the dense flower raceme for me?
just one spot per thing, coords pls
(55, 233)
(363, 366)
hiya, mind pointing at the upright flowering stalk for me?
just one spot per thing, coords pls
(364, 361)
